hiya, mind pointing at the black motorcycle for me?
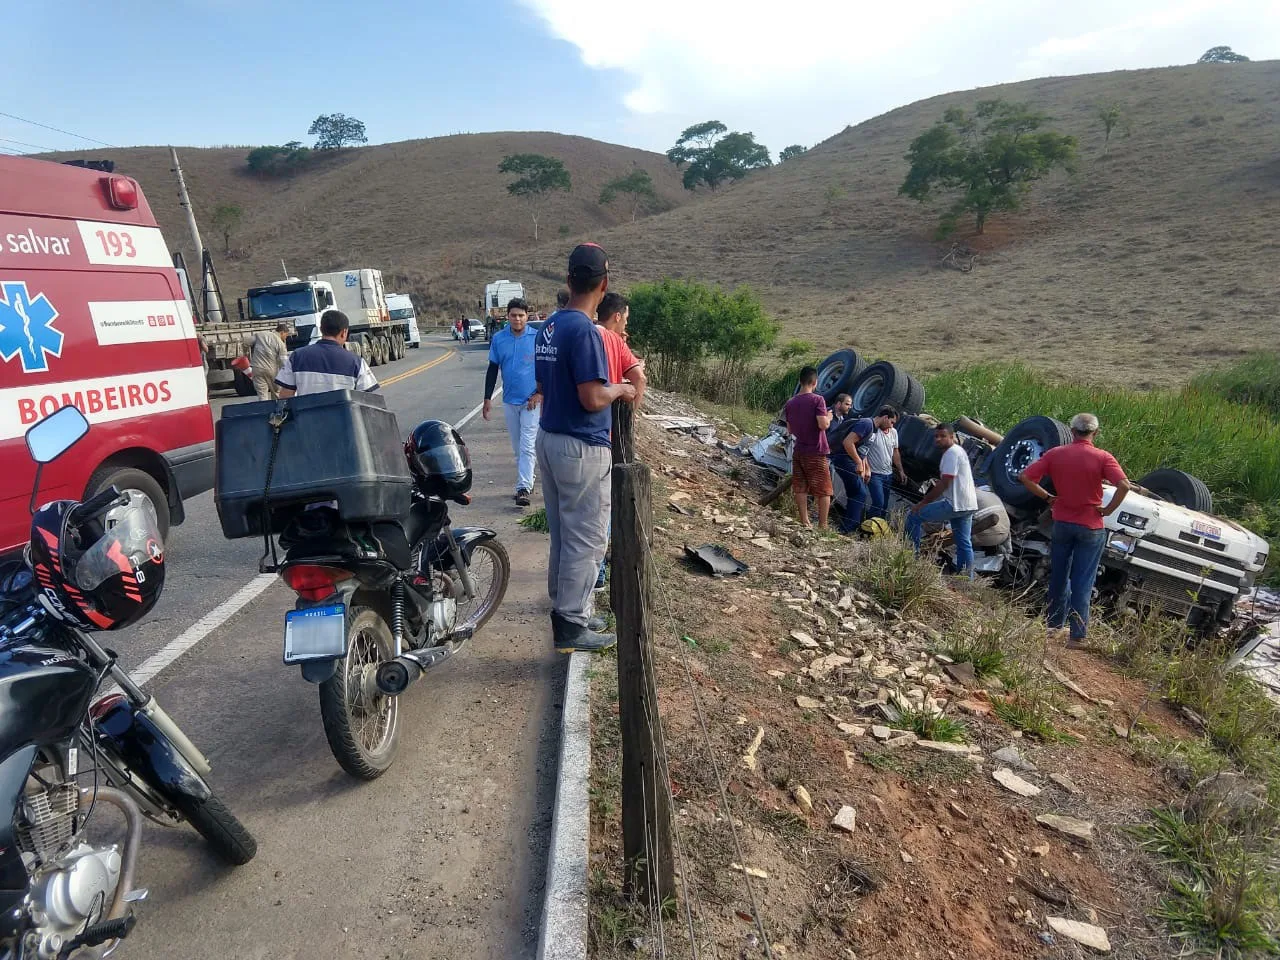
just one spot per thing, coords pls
(62, 753)
(381, 603)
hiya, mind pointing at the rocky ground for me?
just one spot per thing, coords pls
(891, 798)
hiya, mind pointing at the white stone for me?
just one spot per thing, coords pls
(846, 819)
(939, 746)
(1095, 938)
(1011, 781)
(802, 798)
(802, 638)
(808, 703)
(1080, 829)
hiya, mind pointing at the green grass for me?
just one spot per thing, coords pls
(1254, 381)
(536, 521)
(1233, 448)
(896, 578)
(930, 725)
(1031, 711)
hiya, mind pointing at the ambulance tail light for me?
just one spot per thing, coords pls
(122, 192)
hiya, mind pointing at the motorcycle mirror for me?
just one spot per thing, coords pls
(56, 434)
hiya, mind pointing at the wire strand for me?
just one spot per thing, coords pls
(36, 123)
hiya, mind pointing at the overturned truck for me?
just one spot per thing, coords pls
(1165, 549)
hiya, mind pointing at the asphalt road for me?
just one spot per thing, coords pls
(444, 856)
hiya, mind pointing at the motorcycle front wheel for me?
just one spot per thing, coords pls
(221, 830)
(490, 570)
(361, 724)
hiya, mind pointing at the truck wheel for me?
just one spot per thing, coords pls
(879, 384)
(1179, 487)
(914, 401)
(134, 481)
(837, 373)
(920, 456)
(243, 385)
(1022, 446)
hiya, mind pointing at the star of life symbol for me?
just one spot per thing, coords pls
(26, 327)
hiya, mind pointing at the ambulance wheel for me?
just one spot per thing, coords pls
(134, 481)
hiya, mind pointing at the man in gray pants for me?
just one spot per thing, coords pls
(574, 451)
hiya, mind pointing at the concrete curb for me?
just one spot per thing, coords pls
(564, 910)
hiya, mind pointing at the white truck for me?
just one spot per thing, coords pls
(400, 307)
(360, 295)
(497, 295)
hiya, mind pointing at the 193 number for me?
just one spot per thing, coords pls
(116, 243)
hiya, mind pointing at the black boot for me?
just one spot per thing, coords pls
(573, 637)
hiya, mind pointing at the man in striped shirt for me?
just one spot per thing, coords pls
(327, 364)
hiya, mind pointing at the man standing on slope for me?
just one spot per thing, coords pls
(511, 354)
(952, 499)
(807, 421)
(1077, 472)
(326, 364)
(574, 451)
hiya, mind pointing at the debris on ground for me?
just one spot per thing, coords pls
(716, 560)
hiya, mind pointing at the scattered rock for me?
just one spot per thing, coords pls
(777, 674)
(1065, 782)
(732, 608)
(822, 668)
(1067, 682)
(851, 729)
(903, 739)
(939, 746)
(1011, 781)
(961, 673)
(1120, 730)
(975, 708)
(802, 638)
(750, 871)
(1070, 826)
(881, 732)
(763, 542)
(1078, 710)
(679, 495)
(749, 758)
(906, 857)
(846, 819)
(808, 703)
(957, 810)
(1010, 756)
(802, 798)
(1095, 938)
(850, 760)
(1040, 849)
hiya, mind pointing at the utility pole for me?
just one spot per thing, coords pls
(212, 304)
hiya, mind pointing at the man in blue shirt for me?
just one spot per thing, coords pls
(511, 354)
(574, 452)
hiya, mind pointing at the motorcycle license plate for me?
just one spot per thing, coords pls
(319, 633)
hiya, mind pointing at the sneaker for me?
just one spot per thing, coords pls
(597, 624)
(600, 579)
(573, 637)
(522, 497)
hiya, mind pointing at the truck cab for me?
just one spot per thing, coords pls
(400, 309)
(299, 302)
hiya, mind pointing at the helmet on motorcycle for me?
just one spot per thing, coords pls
(100, 574)
(438, 457)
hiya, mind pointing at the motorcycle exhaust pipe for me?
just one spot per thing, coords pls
(394, 677)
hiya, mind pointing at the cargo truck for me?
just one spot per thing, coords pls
(496, 297)
(360, 295)
(400, 306)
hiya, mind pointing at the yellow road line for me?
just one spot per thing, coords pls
(426, 366)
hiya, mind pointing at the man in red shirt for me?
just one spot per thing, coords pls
(1077, 472)
(611, 321)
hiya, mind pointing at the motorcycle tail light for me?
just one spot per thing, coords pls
(101, 708)
(314, 581)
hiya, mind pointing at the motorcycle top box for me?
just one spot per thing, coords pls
(341, 446)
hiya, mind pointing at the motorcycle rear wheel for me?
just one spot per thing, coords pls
(361, 724)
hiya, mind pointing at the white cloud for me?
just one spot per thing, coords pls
(801, 69)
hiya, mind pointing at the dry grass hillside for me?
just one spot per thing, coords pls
(430, 213)
(1151, 262)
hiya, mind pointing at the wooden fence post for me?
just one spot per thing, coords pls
(624, 445)
(646, 798)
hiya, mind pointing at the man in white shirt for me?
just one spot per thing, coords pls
(953, 499)
(880, 450)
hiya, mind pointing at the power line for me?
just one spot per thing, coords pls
(56, 129)
(25, 144)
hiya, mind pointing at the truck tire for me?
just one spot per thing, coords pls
(879, 384)
(130, 478)
(1022, 446)
(920, 455)
(837, 373)
(914, 402)
(243, 385)
(1179, 487)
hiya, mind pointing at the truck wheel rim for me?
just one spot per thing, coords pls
(1022, 455)
(868, 392)
(830, 375)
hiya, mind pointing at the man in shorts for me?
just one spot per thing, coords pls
(807, 420)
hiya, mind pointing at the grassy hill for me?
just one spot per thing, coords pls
(1150, 263)
(430, 213)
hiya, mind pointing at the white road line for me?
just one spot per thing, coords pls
(182, 643)
(497, 395)
(219, 615)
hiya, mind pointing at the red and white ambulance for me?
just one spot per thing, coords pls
(92, 314)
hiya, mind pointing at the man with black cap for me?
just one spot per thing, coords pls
(573, 447)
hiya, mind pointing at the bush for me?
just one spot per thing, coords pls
(698, 338)
(273, 161)
(1253, 381)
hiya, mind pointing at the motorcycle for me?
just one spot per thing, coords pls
(60, 894)
(380, 604)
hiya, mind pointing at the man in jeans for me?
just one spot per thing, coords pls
(511, 355)
(864, 454)
(573, 450)
(882, 456)
(807, 421)
(953, 499)
(1077, 472)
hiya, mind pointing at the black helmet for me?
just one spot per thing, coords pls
(438, 457)
(101, 574)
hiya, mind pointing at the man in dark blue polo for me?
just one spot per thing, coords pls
(326, 364)
(573, 450)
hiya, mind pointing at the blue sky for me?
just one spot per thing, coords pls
(209, 72)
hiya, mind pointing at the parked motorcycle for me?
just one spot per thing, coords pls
(379, 604)
(91, 566)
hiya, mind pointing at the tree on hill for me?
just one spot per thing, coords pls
(1111, 115)
(714, 155)
(226, 217)
(274, 161)
(792, 151)
(1222, 55)
(537, 177)
(988, 160)
(334, 130)
(636, 185)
